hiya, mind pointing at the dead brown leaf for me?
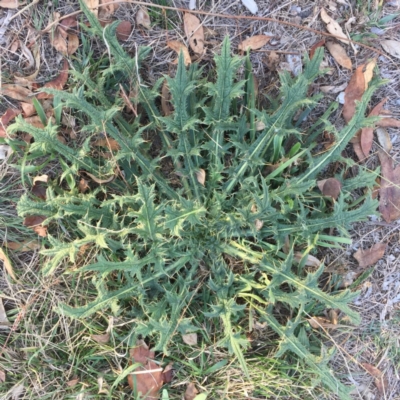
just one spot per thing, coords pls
(366, 136)
(5, 119)
(27, 109)
(93, 6)
(254, 42)
(73, 382)
(166, 105)
(315, 46)
(35, 222)
(7, 264)
(35, 121)
(333, 27)
(2, 376)
(190, 339)
(143, 18)
(194, 32)
(11, 3)
(330, 187)
(124, 30)
(381, 382)
(191, 391)
(148, 379)
(388, 123)
(27, 245)
(178, 47)
(258, 224)
(73, 43)
(389, 202)
(57, 83)
(371, 255)
(17, 92)
(101, 339)
(39, 186)
(354, 91)
(339, 54)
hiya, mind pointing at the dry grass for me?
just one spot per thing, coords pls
(375, 341)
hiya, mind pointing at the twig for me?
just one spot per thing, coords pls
(24, 9)
(239, 17)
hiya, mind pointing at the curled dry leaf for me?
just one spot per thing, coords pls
(35, 222)
(201, 176)
(310, 262)
(339, 54)
(7, 264)
(381, 382)
(39, 186)
(190, 339)
(11, 3)
(254, 42)
(149, 378)
(191, 391)
(143, 18)
(354, 91)
(392, 47)
(315, 46)
(384, 139)
(123, 30)
(57, 83)
(2, 376)
(5, 119)
(369, 72)
(389, 202)
(371, 255)
(330, 187)
(17, 92)
(194, 32)
(73, 43)
(178, 47)
(101, 339)
(333, 27)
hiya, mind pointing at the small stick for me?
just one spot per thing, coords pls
(24, 9)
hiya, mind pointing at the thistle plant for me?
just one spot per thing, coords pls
(247, 190)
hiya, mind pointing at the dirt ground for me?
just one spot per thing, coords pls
(377, 340)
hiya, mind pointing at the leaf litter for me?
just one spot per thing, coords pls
(194, 32)
(370, 256)
(148, 379)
